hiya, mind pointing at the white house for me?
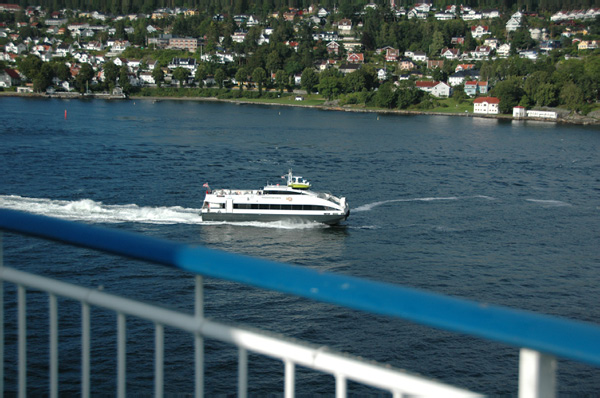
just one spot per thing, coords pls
(146, 78)
(513, 24)
(437, 89)
(345, 26)
(504, 50)
(519, 112)
(441, 90)
(479, 31)
(450, 53)
(486, 105)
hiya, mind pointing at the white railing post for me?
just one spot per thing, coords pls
(1, 320)
(85, 350)
(53, 346)
(159, 357)
(198, 339)
(121, 355)
(242, 373)
(289, 390)
(340, 386)
(22, 341)
(537, 374)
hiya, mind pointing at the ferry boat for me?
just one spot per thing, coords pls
(293, 201)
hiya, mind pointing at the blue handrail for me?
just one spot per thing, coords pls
(552, 335)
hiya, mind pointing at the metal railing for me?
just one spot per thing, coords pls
(541, 338)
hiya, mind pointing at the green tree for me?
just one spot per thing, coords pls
(354, 82)
(85, 75)
(571, 96)
(30, 66)
(281, 79)
(124, 79)
(259, 76)
(44, 78)
(408, 96)
(386, 97)
(158, 75)
(200, 75)
(62, 71)
(220, 77)
(458, 94)
(309, 80)
(437, 44)
(241, 76)
(111, 72)
(273, 62)
(533, 82)
(546, 95)
(181, 74)
(509, 92)
(330, 86)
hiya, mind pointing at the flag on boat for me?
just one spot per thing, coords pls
(205, 185)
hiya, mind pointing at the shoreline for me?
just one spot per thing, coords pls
(572, 119)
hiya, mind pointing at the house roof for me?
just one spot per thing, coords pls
(426, 83)
(489, 100)
(12, 73)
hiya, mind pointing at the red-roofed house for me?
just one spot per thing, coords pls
(392, 54)
(437, 89)
(460, 67)
(356, 58)
(478, 31)
(450, 53)
(9, 77)
(333, 48)
(486, 105)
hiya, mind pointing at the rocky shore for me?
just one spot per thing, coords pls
(564, 116)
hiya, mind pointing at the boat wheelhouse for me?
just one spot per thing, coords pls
(294, 202)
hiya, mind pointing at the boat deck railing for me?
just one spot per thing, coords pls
(540, 338)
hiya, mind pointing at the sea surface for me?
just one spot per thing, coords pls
(503, 212)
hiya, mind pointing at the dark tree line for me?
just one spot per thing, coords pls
(263, 7)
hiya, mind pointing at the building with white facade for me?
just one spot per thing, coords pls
(486, 105)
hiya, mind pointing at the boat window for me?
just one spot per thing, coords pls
(268, 192)
(256, 206)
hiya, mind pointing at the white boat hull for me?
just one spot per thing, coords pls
(330, 219)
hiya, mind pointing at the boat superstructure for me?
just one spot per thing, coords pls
(293, 201)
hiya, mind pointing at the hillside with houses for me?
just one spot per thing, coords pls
(417, 57)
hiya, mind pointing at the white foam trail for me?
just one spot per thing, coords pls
(370, 206)
(549, 203)
(91, 211)
(96, 212)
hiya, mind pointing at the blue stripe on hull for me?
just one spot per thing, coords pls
(233, 217)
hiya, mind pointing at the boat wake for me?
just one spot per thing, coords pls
(91, 211)
(549, 203)
(88, 210)
(371, 206)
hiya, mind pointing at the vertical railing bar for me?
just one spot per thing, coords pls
(53, 345)
(340, 386)
(537, 374)
(22, 342)
(198, 338)
(1, 320)
(242, 373)
(85, 350)
(159, 356)
(121, 355)
(290, 379)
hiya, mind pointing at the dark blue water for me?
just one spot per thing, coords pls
(495, 211)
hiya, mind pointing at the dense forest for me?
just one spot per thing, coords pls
(262, 7)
